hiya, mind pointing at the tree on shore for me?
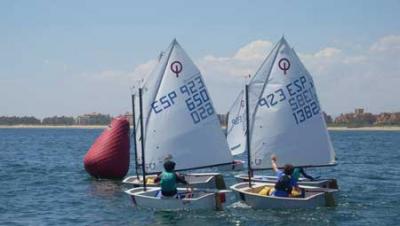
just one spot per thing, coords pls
(56, 120)
(14, 120)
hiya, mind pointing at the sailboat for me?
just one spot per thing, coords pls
(283, 117)
(178, 122)
(236, 137)
(196, 180)
(236, 126)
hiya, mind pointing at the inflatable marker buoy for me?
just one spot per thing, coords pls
(108, 158)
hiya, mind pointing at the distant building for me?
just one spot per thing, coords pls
(359, 111)
(388, 119)
(93, 119)
(357, 119)
(328, 118)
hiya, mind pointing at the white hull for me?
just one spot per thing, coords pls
(196, 180)
(325, 183)
(315, 197)
(148, 199)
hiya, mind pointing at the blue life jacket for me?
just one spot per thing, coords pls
(284, 186)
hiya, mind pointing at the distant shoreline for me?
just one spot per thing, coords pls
(371, 128)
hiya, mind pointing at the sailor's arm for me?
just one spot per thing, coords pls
(158, 178)
(306, 175)
(273, 163)
(180, 178)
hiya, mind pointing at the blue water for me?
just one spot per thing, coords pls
(42, 182)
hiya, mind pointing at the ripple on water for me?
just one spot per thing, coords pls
(44, 183)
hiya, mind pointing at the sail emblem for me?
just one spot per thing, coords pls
(176, 67)
(284, 65)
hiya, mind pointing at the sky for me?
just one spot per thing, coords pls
(76, 57)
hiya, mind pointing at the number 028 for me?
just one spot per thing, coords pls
(202, 113)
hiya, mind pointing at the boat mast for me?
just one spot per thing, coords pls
(141, 133)
(250, 171)
(134, 135)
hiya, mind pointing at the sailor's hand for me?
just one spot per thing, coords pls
(273, 158)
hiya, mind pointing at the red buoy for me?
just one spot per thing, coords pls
(109, 155)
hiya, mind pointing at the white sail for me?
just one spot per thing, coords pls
(286, 116)
(149, 85)
(236, 128)
(180, 120)
(236, 132)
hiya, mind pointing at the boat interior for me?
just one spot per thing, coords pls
(193, 179)
(183, 194)
(266, 190)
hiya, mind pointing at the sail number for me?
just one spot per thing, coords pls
(237, 120)
(197, 99)
(164, 102)
(300, 96)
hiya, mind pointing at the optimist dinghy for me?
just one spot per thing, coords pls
(184, 200)
(322, 183)
(236, 137)
(256, 197)
(282, 116)
(178, 121)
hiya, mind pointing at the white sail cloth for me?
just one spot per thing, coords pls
(236, 128)
(179, 117)
(285, 115)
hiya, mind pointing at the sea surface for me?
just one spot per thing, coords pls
(43, 182)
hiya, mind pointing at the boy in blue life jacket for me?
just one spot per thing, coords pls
(284, 184)
(287, 180)
(168, 179)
